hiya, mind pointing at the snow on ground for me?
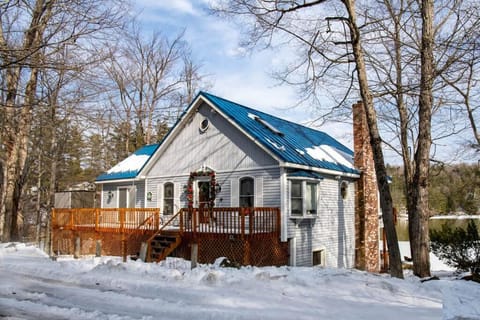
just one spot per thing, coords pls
(32, 286)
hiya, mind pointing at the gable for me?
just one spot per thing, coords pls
(220, 146)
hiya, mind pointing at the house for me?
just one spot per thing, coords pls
(221, 154)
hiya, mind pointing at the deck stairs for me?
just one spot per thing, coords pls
(162, 245)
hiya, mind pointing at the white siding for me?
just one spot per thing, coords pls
(332, 230)
(222, 147)
(137, 195)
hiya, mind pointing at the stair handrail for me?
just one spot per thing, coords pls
(149, 241)
(152, 218)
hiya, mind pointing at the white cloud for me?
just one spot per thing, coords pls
(178, 6)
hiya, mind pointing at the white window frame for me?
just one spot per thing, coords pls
(304, 182)
(168, 198)
(253, 195)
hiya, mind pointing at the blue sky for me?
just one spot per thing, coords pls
(235, 74)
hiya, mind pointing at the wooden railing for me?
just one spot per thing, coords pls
(231, 221)
(118, 220)
(243, 221)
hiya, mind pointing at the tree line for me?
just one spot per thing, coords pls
(454, 189)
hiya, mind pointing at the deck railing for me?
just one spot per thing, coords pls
(223, 220)
(118, 220)
(231, 221)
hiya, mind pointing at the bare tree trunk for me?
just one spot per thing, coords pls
(385, 196)
(419, 209)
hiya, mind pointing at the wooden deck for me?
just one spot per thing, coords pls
(122, 230)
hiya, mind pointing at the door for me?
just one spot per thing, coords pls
(203, 200)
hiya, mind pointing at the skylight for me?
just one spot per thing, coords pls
(265, 124)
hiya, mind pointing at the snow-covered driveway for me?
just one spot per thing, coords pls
(34, 287)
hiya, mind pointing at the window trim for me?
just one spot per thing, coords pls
(253, 195)
(304, 181)
(172, 199)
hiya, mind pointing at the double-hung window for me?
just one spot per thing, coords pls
(247, 192)
(303, 197)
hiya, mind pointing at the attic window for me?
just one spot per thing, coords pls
(266, 124)
(204, 125)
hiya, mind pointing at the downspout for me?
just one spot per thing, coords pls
(283, 205)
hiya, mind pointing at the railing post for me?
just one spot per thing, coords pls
(97, 219)
(242, 222)
(194, 221)
(278, 224)
(157, 219)
(182, 212)
(72, 213)
(251, 218)
(122, 219)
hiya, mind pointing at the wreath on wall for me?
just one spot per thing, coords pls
(213, 186)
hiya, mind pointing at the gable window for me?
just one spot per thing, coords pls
(168, 198)
(303, 197)
(246, 192)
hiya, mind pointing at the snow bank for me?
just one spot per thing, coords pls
(34, 287)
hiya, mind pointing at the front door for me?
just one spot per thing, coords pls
(203, 200)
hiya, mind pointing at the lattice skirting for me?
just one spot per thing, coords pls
(257, 252)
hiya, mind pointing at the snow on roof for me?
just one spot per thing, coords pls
(328, 153)
(132, 163)
(288, 141)
(131, 166)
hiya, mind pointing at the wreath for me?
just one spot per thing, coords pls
(213, 184)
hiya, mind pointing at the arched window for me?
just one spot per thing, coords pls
(168, 197)
(246, 192)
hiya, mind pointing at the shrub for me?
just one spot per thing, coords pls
(458, 247)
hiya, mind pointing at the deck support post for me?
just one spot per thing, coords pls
(194, 256)
(77, 248)
(98, 248)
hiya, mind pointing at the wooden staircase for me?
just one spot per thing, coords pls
(162, 245)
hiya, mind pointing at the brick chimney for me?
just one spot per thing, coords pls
(366, 200)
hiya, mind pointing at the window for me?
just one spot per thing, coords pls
(303, 197)
(318, 258)
(204, 125)
(246, 192)
(296, 195)
(168, 198)
(311, 198)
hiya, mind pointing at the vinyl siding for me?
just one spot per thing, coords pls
(333, 230)
(221, 147)
(270, 194)
(113, 187)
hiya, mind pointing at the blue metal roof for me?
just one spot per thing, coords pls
(131, 166)
(290, 142)
(305, 174)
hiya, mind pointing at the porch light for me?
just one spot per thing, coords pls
(149, 196)
(109, 195)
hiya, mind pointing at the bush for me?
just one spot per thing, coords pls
(458, 247)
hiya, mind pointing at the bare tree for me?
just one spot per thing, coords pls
(147, 75)
(319, 59)
(48, 26)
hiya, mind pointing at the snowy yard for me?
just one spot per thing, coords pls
(34, 287)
